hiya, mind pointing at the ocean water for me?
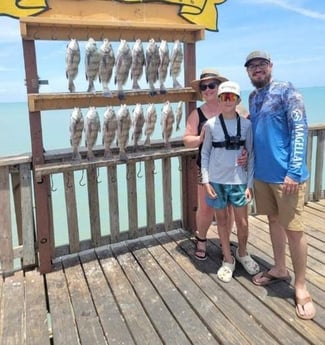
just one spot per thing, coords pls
(15, 139)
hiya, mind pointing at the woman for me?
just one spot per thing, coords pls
(207, 84)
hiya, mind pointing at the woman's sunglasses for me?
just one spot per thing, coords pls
(211, 86)
(228, 96)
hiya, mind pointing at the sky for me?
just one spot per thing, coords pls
(292, 31)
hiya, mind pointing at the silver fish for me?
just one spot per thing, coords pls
(137, 124)
(150, 122)
(179, 114)
(72, 60)
(167, 121)
(176, 60)
(106, 64)
(109, 130)
(92, 127)
(152, 65)
(76, 129)
(138, 62)
(122, 66)
(92, 59)
(123, 127)
(163, 65)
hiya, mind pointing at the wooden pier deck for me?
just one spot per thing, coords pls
(152, 291)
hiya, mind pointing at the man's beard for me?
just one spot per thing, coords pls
(261, 83)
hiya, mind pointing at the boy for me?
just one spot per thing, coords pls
(227, 182)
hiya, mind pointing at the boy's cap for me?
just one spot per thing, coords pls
(257, 54)
(229, 86)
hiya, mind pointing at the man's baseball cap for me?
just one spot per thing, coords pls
(257, 54)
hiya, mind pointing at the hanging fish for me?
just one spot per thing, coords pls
(138, 62)
(106, 64)
(163, 65)
(167, 121)
(76, 129)
(72, 60)
(109, 130)
(122, 66)
(92, 127)
(123, 127)
(150, 122)
(152, 65)
(92, 60)
(179, 114)
(176, 60)
(137, 124)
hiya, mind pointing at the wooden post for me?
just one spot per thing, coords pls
(42, 190)
(189, 171)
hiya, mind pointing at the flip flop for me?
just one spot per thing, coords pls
(269, 279)
(303, 302)
(200, 251)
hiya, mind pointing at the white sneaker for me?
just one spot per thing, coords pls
(226, 270)
(249, 264)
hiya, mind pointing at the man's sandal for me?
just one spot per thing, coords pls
(200, 253)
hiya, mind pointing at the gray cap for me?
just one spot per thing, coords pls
(257, 54)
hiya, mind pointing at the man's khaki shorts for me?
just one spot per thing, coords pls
(270, 200)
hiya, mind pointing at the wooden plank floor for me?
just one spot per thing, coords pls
(152, 291)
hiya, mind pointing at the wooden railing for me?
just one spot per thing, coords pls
(110, 213)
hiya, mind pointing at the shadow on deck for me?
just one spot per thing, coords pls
(152, 291)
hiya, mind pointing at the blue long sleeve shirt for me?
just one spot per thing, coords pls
(280, 132)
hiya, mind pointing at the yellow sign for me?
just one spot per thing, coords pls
(22, 8)
(200, 12)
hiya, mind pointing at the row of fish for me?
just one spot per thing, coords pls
(118, 126)
(100, 63)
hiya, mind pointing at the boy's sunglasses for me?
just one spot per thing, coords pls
(211, 86)
(228, 96)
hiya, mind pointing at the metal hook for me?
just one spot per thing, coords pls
(82, 176)
(97, 180)
(154, 169)
(36, 36)
(139, 175)
(179, 164)
(54, 37)
(52, 184)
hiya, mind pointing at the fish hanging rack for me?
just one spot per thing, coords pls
(35, 28)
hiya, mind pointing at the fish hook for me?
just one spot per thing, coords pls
(52, 184)
(97, 180)
(139, 175)
(82, 176)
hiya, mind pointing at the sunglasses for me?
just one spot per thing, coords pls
(211, 86)
(228, 96)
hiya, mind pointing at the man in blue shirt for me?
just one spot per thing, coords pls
(280, 135)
